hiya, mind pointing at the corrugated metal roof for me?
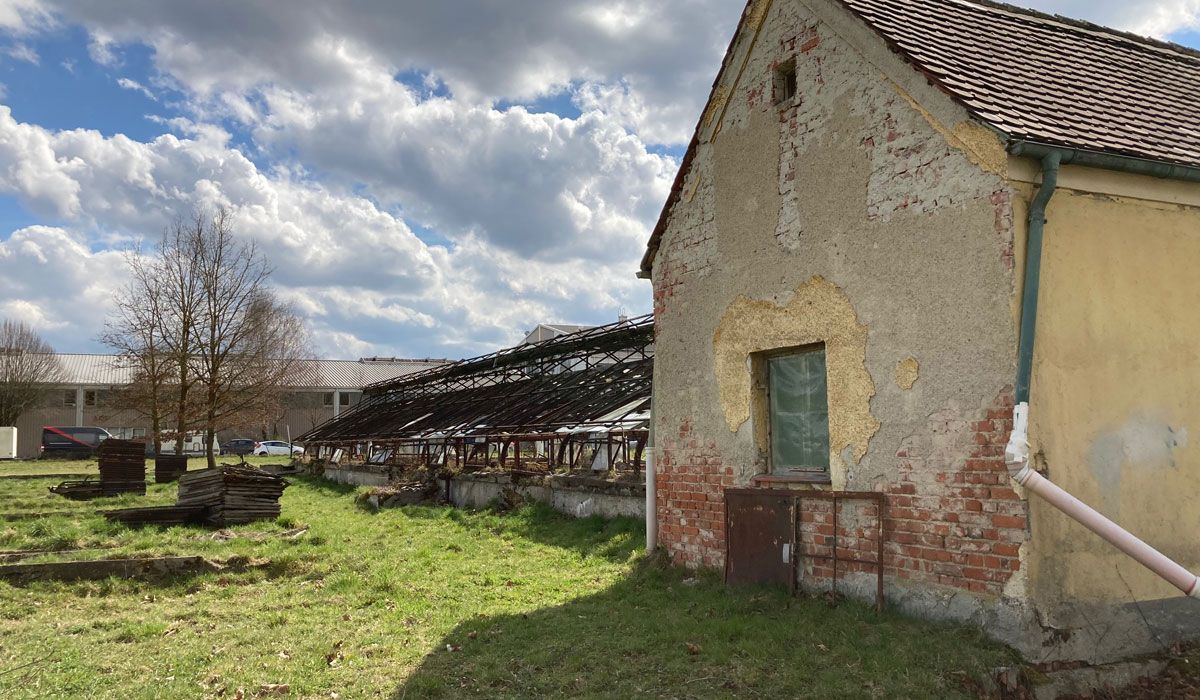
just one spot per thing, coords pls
(1050, 79)
(101, 370)
(546, 331)
(344, 374)
(107, 370)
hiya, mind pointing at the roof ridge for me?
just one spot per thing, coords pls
(1070, 23)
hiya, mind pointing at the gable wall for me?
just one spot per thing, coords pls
(855, 218)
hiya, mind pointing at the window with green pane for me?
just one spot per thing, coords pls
(799, 411)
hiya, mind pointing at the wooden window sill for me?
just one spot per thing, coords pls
(813, 478)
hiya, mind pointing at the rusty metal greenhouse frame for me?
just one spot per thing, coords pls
(561, 397)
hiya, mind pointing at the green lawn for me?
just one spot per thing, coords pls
(435, 602)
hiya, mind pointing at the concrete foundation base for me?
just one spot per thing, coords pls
(573, 494)
(578, 497)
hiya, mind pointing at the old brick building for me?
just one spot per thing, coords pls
(839, 286)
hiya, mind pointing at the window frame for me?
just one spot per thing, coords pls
(70, 398)
(784, 84)
(760, 364)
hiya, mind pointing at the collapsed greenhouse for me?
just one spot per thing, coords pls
(575, 401)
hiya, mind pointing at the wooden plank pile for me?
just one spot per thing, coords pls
(84, 490)
(158, 515)
(122, 467)
(168, 468)
(232, 495)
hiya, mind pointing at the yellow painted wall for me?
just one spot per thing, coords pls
(1115, 398)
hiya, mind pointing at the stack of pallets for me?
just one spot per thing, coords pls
(232, 494)
(168, 468)
(122, 467)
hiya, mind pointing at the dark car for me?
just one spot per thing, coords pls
(71, 442)
(238, 447)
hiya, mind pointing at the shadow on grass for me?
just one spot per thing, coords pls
(615, 539)
(658, 633)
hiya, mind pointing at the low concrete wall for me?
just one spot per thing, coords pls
(359, 474)
(576, 496)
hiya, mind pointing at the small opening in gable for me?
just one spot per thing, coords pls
(785, 83)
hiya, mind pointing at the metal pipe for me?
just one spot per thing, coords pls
(1033, 272)
(651, 487)
(1016, 455)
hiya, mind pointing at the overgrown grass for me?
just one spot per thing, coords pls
(436, 602)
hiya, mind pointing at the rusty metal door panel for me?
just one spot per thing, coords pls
(760, 537)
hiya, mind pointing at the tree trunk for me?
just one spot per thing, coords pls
(210, 429)
(156, 428)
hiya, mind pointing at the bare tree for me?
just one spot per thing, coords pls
(137, 329)
(248, 348)
(27, 366)
(180, 254)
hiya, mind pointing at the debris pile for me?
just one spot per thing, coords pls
(168, 468)
(232, 495)
(122, 467)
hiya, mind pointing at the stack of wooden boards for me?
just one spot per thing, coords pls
(122, 467)
(157, 515)
(168, 468)
(122, 470)
(232, 495)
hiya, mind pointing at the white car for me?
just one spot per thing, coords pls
(276, 447)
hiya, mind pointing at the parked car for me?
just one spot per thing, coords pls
(71, 442)
(277, 447)
(239, 446)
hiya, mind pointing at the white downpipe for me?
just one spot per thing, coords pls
(1016, 455)
(651, 502)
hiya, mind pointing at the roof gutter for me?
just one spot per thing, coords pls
(1052, 157)
(1016, 453)
(1106, 161)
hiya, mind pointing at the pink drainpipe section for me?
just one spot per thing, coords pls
(1017, 457)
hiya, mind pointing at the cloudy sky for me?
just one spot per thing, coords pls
(428, 179)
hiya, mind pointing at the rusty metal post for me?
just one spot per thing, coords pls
(834, 552)
(562, 447)
(879, 576)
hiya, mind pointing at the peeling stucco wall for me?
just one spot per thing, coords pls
(902, 219)
(819, 312)
(869, 214)
(907, 373)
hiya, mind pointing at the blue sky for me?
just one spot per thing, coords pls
(425, 184)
